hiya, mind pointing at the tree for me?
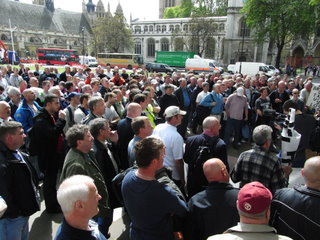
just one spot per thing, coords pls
(280, 20)
(197, 8)
(112, 33)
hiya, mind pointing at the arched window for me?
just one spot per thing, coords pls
(137, 47)
(210, 48)
(55, 41)
(164, 28)
(151, 47)
(137, 29)
(221, 27)
(178, 44)
(145, 28)
(244, 31)
(177, 27)
(150, 28)
(185, 27)
(4, 37)
(171, 28)
(31, 39)
(215, 27)
(158, 28)
(164, 42)
(76, 44)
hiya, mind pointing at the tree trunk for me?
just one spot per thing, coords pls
(279, 52)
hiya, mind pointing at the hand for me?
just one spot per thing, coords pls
(287, 170)
(62, 114)
(277, 100)
(114, 136)
(214, 103)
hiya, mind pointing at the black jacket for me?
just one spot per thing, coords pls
(17, 184)
(196, 179)
(212, 211)
(125, 134)
(295, 212)
(179, 94)
(44, 140)
(107, 168)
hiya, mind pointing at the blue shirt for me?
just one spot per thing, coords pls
(218, 98)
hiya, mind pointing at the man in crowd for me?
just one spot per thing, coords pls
(259, 164)
(74, 99)
(126, 133)
(104, 147)
(294, 211)
(5, 112)
(215, 101)
(184, 98)
(110, 113)
(83, 110)
(47, 142)
(279, 96)
(15, 99)
(81, 160)
(217, 202)
(142, 128)
(195, 148)
(141, 190)
(237, 111)
(78, 198)
(253, 205)
(97, 109)
(168, 99)
(173, 141)
(18, 186)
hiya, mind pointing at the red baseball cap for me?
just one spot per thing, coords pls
(254, 198)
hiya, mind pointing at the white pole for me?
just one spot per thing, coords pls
(11, 33)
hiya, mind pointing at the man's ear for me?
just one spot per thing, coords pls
(78, 205)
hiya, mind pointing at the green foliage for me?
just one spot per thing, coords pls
(280, 20)
(112, 34)
(197, 8)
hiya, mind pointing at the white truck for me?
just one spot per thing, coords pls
(88, 60)
(198, 64)
(252, 68)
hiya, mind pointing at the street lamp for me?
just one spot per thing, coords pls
(83, 51)
(11, 34)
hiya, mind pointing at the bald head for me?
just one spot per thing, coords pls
(310, 172)
(211, 126)
(5, 110)
(134, 110)
(215, 170)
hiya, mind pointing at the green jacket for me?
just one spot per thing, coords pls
(77, 163)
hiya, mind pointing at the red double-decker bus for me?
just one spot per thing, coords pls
(51, 56)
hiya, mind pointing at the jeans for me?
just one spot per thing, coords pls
(233, 126)
(14, 228)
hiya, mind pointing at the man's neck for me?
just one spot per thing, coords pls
(73, 104)
(78, 222)
(208, 132)
(145, 174)
(108, 104)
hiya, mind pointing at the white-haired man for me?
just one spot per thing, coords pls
(78, 198)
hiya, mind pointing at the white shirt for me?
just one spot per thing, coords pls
(201, 96)
(174, 146)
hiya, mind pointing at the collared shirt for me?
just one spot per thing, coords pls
(260, 165)
(113, 161)
(174, 146)
(65, 231)
(186, 97)
(250, 232)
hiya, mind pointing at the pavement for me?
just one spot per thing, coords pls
(43, 226)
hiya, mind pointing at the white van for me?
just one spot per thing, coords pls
(252, 68)
(202, 65)
(88, 60)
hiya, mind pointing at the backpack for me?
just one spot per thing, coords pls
(196, 179)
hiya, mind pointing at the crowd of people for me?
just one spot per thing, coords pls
(83, 127)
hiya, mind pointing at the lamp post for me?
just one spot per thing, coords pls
(241, 53)
(82, 31)
(11, 35)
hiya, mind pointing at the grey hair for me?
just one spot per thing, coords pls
(71, 190)
(13, 91)
(261, 134)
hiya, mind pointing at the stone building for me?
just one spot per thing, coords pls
(40, 25)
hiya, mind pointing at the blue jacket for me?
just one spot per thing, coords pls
(24, 114)
(218, 98)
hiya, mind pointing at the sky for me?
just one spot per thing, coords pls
(142, 9)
